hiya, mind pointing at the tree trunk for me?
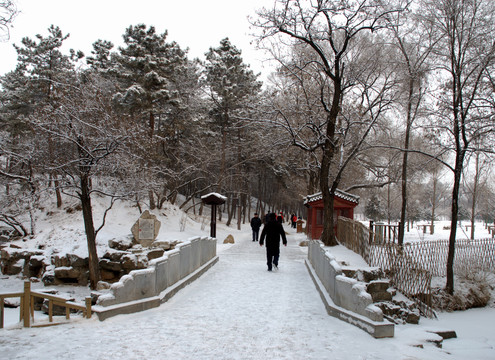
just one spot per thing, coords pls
(400, 239)
(94, 269)
(433, 204)
(449, 287)
(475, 193)
(57, 192)
(239, 215)
(230, 211)
(152, 199)
(328, 235)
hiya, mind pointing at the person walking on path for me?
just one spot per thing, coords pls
(255, 226)
(272, 231)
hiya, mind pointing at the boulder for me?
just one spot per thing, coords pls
(14, 268)
(107, 275)
(146, 229)
(229, 240)
(77, 261)
(378, 290)
(60, 260)
(122, 244)
(165, 245)
(67, 275)
(48, 277)
(114, 255)
(114, 266)
(399, 312)
(130, 262)
(155, 254)
(372, 274)
(412, 316)
(15, 261)
(36, 266)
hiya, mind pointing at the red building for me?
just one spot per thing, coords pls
(343, 205)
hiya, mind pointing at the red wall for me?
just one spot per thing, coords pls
(315, 215)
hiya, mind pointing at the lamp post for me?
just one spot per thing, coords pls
(213, 199)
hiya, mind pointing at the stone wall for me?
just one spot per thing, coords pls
(347, 298)
(147, 288)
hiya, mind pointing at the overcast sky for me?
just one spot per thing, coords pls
(194, 24)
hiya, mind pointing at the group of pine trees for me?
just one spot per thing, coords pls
(141, 122)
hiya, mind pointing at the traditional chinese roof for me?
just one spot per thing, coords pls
(338, 193)
(213, 199)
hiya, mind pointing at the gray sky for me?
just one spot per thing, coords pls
(194, 24)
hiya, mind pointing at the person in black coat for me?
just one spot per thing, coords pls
(255, 226)
(272, 231)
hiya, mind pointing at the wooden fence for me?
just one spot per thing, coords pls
(383, 233)
(409, 278)
(26, 313)
(470, 255)
(412, 266)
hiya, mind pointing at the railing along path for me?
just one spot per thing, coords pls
(26, 313)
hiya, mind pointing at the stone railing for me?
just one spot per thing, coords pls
(345, 298)
(147, 288)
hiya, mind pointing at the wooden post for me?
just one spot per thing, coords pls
(26, 304)
(21, 311)
(88, 307)
(1, 312)
(50, 310)
(31, 307)
(213, 222)
(371, 232)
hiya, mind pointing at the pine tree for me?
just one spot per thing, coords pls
(374, 209)
(147, 69)
(232, 87)
(37, 83)
(101, 59)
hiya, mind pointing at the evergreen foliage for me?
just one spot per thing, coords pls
(144, 121)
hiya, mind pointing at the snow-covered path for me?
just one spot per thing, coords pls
(236, 310)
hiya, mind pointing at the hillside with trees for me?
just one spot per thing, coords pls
(393, 102)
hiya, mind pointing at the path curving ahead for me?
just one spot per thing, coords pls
(236, 310)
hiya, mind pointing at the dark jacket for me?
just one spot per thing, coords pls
(255, 223)
(272, 231)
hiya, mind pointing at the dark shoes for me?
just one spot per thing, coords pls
(276, 267)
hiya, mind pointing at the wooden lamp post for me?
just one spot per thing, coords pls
(213, 199)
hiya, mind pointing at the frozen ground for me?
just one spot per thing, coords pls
(238, 310)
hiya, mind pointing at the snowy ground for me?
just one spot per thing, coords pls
(238, 310)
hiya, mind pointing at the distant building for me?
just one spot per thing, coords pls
(343, 205)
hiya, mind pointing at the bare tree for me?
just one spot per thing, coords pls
(331, 33)
(8, 11)
(87, 134)
(414, 43)
(479, 180)
(466, 57)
